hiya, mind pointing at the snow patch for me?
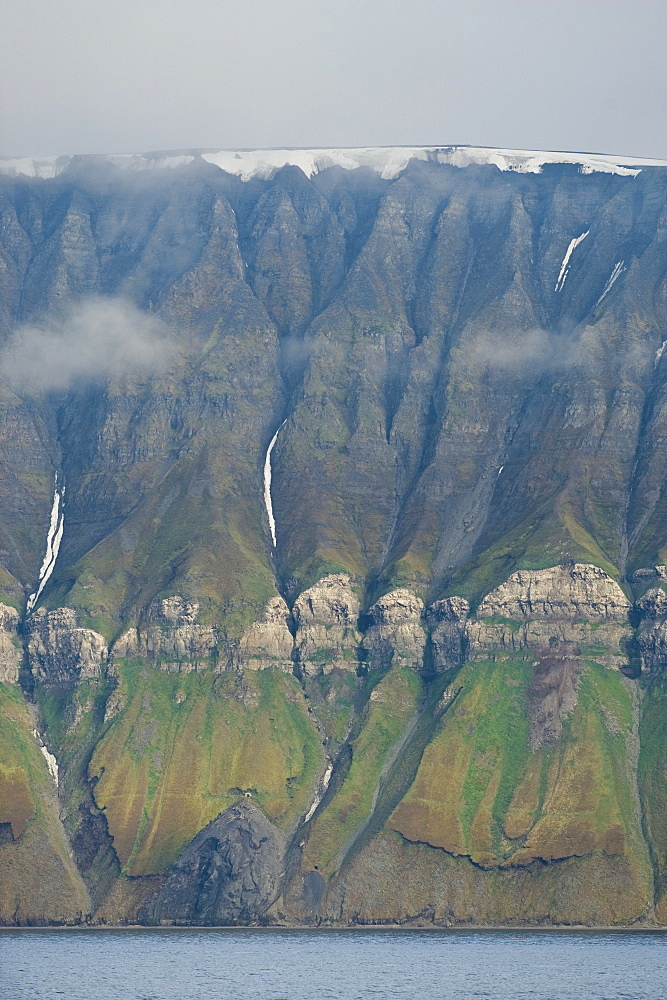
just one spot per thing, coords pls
(388, 161)
(616, 273)
(564, 268)
(320, 795)
(267, 485)
(53, 539)
(50, 758)
(659, 353)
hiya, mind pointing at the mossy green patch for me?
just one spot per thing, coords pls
(589, 803)
(186, 746)
(472, 764)
(481, 792)
(393, 703)
(653, 779)
(22, 767)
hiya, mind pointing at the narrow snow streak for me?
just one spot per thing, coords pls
(564, 269)
(50, 759)
(659, 353)
(53, 539)
(618, 270)
(318, 798)
(267, 486)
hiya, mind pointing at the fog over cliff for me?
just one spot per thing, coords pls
(89, 340)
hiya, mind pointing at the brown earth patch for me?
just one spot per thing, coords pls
(553, 692)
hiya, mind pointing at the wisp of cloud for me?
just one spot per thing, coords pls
(91, 341)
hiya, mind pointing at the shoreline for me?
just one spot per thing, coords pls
(353, 928)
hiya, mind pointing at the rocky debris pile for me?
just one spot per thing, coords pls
(229, 873)
(553, 693)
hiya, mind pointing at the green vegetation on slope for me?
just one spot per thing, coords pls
(184, 747)
(393, 703)
(481, 792)
(653, 783)
(22, 767)
(38, 879)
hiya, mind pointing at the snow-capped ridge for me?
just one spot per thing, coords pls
(387, 161)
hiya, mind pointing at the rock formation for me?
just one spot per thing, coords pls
(10, 646)
(268, 641)
(61, 652)
(229, 874)
(547, 609)
(396, 633)
(326, 617)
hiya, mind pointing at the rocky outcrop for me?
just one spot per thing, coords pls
(606, 641)
(571, 591)
(229, 873)
(268, 642)
(449, 632)
(649, 574)
(10, 646)
(652, 631)
(171, 640)
(573, 604)
(61, 652)
(326, 617)
(396, 633)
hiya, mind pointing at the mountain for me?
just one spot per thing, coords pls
(333, 538)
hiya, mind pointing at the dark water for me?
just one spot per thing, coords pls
(299, 965)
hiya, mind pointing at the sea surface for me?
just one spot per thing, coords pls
(331, 965)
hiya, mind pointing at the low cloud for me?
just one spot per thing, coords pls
(527, 351)
(91, 341)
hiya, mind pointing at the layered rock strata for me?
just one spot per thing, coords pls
(543, 609)
(652, 631)
(326, 618)
(396, 633)
(10, 645)
(564, 617)
(61, 652)
(268, 642)
(171, 639)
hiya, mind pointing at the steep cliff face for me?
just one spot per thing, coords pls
(344, 599)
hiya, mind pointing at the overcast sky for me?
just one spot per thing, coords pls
(82, 76)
